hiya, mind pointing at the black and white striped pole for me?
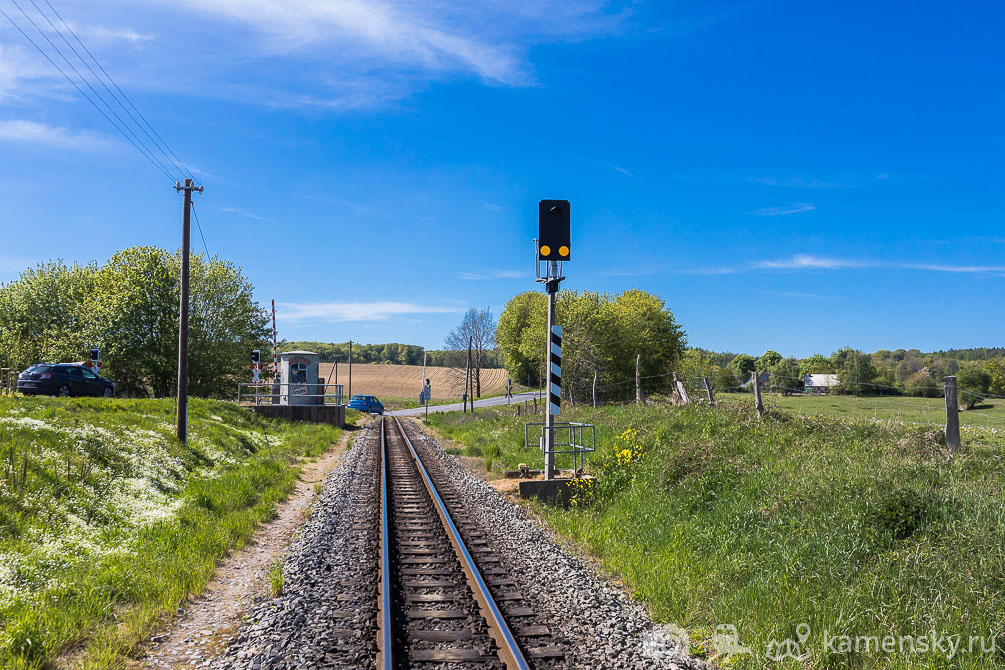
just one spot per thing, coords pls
(553, 249)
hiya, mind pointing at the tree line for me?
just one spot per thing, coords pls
(979, 372)
(128, 307)
(602, 335)
(391, 353)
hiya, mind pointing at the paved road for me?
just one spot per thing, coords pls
(457, 407)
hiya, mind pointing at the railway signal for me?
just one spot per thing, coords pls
(554, 247)
(256, 366)
(95, 360)
(553, 237)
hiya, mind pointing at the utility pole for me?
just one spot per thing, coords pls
(350, 369)
(467, 375)
(186, 240)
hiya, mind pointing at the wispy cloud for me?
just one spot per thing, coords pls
(121, 34)
(32, 132)
(237, 210)
(622, 170)
(978, 269)
(332, 312)
(488, 39)
(795, 208)
(496, 274)
(805, 261)
(799, 182)
(808, 262)
(492, 207)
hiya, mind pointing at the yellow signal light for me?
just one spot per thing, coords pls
(545, 250)
(563, 251)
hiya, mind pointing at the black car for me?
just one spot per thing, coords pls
(63, 379)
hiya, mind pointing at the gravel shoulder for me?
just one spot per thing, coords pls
(209, 621)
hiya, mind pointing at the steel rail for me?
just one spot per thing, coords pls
(509, 650)
(386, 644)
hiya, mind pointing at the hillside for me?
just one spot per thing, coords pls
(107, 522)
(857, 528)
(405, 381)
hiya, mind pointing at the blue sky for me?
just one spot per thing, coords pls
(786, 175)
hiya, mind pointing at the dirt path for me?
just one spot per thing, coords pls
(210, 621)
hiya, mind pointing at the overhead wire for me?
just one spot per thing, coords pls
(199, 226)
(153, 162)
(88, 84)
(163, 145)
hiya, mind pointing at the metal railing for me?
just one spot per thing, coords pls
(267, 393)
(568, 437)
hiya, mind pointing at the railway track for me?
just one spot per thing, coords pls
(444, 598)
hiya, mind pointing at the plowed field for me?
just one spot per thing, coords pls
(405, 381)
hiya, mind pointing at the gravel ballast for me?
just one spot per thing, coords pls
(326, 615)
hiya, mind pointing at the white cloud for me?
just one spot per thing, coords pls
(622, 170)
(238, 210)
(32, 132)
(105, 33)
(495, 274)
(805, 261)
(795, 208)
(357, 311)
(489, 39)
(977, 269)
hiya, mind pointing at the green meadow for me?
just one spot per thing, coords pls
(792, 524)
(108, 523)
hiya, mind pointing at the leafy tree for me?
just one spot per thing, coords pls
(972, 383)
(923, 385)
(225, 324)
(477, 330)
(743, 366)
(857, 372)
(785, 375)
(44, 315)
(129, 308)
(515, 323)
(816, 364)
(601, 333)
(996, 370)
(767, 359)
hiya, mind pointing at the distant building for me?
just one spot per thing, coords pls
(820, 383)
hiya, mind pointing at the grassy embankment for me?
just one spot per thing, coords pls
(107, 523)
(853, 527)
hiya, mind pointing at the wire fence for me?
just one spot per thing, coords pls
(872, 401)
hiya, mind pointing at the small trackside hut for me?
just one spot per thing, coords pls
(298, 394)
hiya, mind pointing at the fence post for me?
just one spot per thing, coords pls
(708, 390)
(757, 394)
(640, 397)
(952, 415)
(680, 391)
(594, 389)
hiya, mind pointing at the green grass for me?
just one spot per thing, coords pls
(107, 523)
(895, 409)
(853, 527)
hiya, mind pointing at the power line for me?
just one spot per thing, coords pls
(84, 79)
(178, 162)
(199, 226)
(80, 90)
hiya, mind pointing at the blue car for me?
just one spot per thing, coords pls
(366, 403)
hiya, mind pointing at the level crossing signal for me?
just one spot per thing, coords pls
(553, 235)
